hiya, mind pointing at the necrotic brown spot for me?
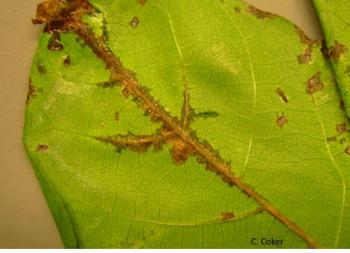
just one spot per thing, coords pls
(282, 95)
(314, 84)
(281, 121)
(134, 22)
(306, 56)
(55, 42)
(42, 148)
(227, 215)
(67, 61)
(336, 51)
(259, 13)
(341, 128)
(237, 9)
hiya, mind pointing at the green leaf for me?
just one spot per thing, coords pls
(186, 124)
(334, 20)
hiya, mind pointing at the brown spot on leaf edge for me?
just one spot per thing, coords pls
(306, 56)
(259, 13)
(58, 11)
(31, 92)
(303, 37)
(314, 84)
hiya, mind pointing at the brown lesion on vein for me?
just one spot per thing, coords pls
(64, 16)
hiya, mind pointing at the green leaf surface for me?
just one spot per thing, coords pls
(236, 133)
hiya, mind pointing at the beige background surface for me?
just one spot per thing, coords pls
(25, 220)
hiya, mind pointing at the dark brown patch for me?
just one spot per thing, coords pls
(55, 42)
(342, 105)
(347, 150)
(134, 22)
(336, 51)
(116, 116)
(59, 10)
(227, 215)
(142, 2)
(107, 84)
(314, 84)
(341, 128)
(31, 92)
(332, 139)
(237, 9)
(282, 95)
(41, 68)
(67, 61)
(259, 13)
(281, 121)
(42, 148)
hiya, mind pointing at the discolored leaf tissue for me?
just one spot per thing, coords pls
(191, 124)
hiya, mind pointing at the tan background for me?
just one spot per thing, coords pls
(25, 221)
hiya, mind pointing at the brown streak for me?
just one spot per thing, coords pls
(260, 14)
(136, 143)
(186, 112)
